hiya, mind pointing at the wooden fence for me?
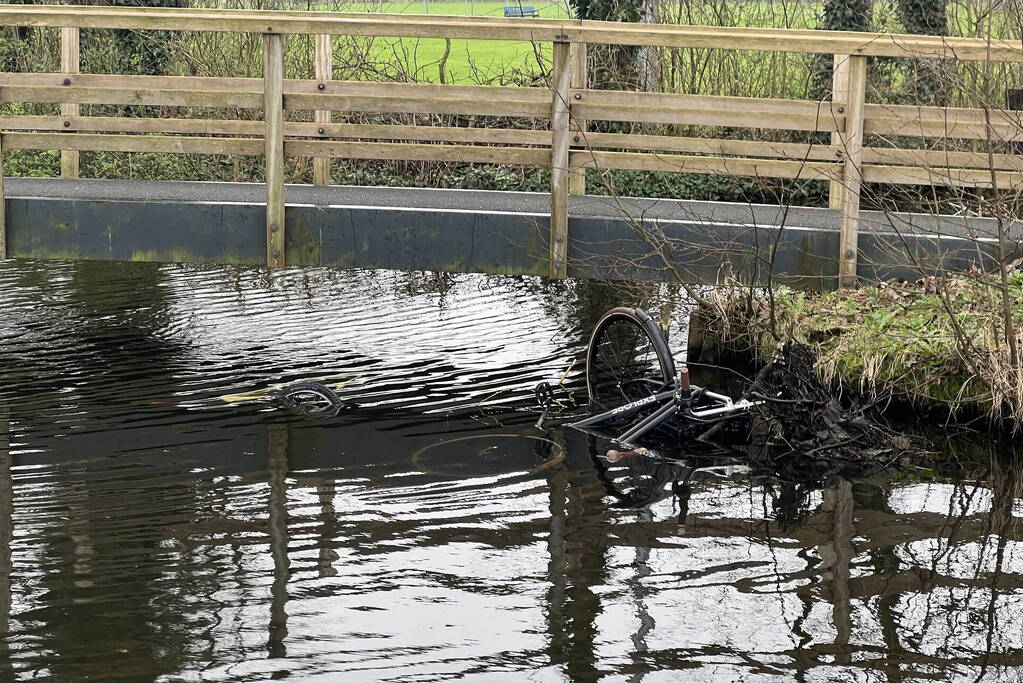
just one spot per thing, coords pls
(566, 146)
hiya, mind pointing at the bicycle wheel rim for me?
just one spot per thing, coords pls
(309, 398)
(627, 359)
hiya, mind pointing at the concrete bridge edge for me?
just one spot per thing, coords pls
(473, 231)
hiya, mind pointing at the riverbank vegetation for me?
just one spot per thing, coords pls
(950, 344)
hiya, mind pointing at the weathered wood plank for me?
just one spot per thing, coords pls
(132, 96)
(254, 86)
(852, 175)
(291, 128)
(953, 177)
(693, 110)
(373, 131)
(410, 104)
(561, 79)
(937, 159)
(132, 81)
(324, 68)
(940, 161)
(125, 124)
(414, 152)
(874, 170)
(489, 100)
(719, 147)
(499, 28)
(839, 96)
(677, 163)
(714, 103)
(703, 116)
(3, 204)
(942, 122)
(496, 93)
(70, 52)
(162, 144)
(273, 116)
(580, 72)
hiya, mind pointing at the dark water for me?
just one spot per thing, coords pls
(150, 529)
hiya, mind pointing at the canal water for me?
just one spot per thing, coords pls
(155, 524)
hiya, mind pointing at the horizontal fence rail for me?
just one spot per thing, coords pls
(538, 30)
(549, 127)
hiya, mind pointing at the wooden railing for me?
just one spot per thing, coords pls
(565, 146)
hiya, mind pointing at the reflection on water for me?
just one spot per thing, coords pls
(151, 530)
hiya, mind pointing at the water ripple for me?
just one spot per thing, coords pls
(152, 530)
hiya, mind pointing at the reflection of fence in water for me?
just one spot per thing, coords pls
(533, 126)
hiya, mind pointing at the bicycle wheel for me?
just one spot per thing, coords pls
(309, 398)
(627, 359)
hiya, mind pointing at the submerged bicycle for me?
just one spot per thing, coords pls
(631, 379)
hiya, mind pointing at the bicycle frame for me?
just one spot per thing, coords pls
(672, 404)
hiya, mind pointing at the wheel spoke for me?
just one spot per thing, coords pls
(624, 363)
(310, 398)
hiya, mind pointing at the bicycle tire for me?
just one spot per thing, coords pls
(612, 381)
(309, 398)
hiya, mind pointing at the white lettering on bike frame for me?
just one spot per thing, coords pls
(634, 404)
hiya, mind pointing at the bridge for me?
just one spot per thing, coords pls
(566, 126)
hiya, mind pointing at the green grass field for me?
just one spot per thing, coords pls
(495, 61)
(468, 61)
(547, 9)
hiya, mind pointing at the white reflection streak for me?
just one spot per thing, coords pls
(278, 517)
(836, 558)
(6, 535)
(646, 621)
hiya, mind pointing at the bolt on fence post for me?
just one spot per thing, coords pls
(560, 135)
(69, 64)
(324, 72)
(852, 172)
(273, 117)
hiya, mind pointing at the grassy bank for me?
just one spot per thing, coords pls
(936, 344)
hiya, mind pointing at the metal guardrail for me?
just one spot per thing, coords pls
(565, 146)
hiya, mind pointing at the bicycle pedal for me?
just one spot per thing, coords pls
(544, 393)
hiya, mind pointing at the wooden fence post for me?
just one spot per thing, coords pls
(324, 72)
(560, 135)
(273, 116)
(3, 204)
(839, 97)
(69, 64)
(577, 179)
(852, 173)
